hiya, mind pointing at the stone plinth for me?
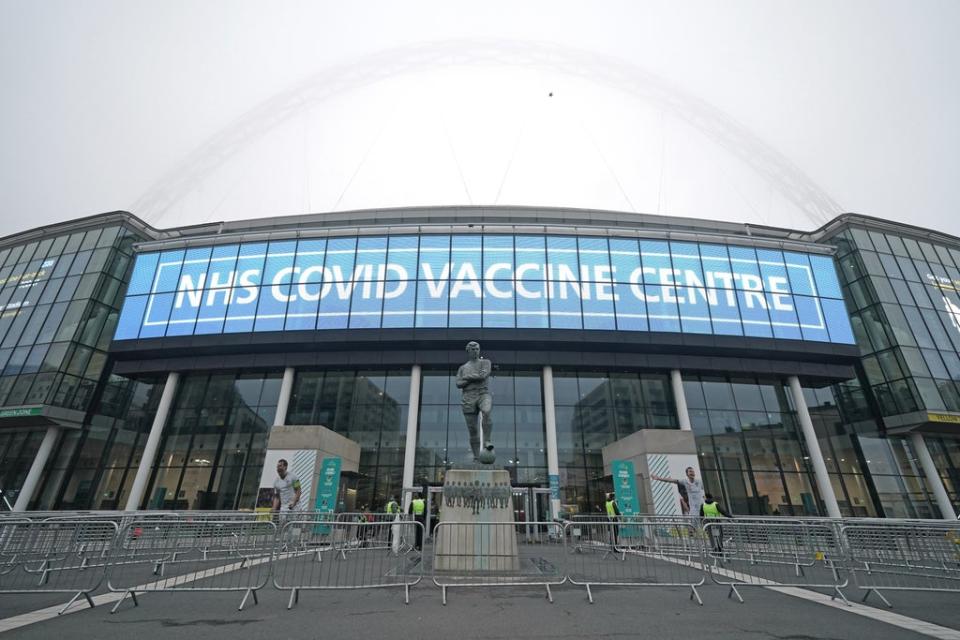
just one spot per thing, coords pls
(470, 496)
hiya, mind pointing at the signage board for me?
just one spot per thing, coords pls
(328, 486)
(474, 281)
(625, 492)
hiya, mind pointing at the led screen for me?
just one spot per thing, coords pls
(522, 281)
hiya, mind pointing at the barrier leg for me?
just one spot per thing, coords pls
(589, 594)
(132, 595)
(294, 598)
(549, 595)
(249, 592)
(695, 594)
(406, 594)
(74, 599)
(733, 591)
(444, 591)
(879, 595)
(842, 597)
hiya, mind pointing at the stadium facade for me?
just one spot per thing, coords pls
(806, 373)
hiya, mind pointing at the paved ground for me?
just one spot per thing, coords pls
(471, 613)
(483, 613)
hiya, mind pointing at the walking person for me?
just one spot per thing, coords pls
(689, 484)
(711, 509)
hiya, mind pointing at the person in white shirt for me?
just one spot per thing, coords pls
(693, 488)
(286, 489)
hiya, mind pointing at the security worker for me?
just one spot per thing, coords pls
(613, 515)
(393, 507)
(418, 507)
(710, 509)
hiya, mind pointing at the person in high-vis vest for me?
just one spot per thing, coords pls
(393, 510)
(393, 507)
(710, 509)
(613, 515)
(418, 507)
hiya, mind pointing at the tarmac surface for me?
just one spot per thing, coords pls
(491, 612)
(487, 613)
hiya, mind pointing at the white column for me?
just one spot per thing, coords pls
(153, 442)
(36, 469)
(413, 414)
(813, 448)
(933, 477)
(680, 399)
(283, 402)
(550, 421)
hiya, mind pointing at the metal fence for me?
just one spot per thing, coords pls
(902, 557)
(204, 555)
(498, 554)
(366, 555)
(637, 552)
(65, 556)
(141, 552)
(762, 554)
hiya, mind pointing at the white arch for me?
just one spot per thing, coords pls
(779, 172)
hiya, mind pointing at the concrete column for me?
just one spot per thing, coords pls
(36, 469)
(813, 447)
(413, 415)
(550, 421)
(283, 402)
(930, 471)
(680, 399)
(153, 442)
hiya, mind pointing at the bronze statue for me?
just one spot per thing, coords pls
(477, 402)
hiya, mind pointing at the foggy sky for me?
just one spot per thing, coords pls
(104, 102)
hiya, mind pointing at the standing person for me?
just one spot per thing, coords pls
(693, 487)
(393, 511)
(418, 508)
(393, 507)
(613, 515)
(710, 509)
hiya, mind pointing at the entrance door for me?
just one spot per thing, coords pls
(541, 504)
(434, 504)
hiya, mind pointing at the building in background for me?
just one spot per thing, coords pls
(816, 372)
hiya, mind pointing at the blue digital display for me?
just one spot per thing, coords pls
(471, 281)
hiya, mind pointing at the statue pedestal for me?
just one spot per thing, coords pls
(477, 494)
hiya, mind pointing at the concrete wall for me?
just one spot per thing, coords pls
(635, 448)
(325, 442)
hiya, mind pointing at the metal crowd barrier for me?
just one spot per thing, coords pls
(398, 564)
(498, 554)
(207, 555)
(636, 552)
(791, 553)
(54, 557)
(357, 536)
(902, 557)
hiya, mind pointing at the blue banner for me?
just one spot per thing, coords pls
(625, 492)
(473, 281)
(328, 487)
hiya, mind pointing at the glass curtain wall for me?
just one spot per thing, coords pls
(594, 409)
(17, 450)
(906, 317)
(59, 304)
(518, 427)
(752, 453)
(370, 408)
(214, 443)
